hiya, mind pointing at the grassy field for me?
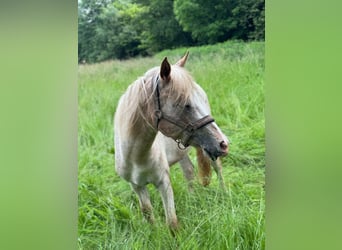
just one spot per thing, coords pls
(232, 74)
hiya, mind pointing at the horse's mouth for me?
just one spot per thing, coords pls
(214, 155)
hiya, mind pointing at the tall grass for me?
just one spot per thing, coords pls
(109, 216)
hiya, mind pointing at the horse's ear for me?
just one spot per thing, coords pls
(165, 70)
(182, 61)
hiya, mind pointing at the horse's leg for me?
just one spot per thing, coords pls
(204, 169)
(217, 165)
(188, 170)
(166, 192)
(144, 201)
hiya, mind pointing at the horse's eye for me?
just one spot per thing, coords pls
(188, 106)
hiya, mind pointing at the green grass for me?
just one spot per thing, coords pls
(109, 217)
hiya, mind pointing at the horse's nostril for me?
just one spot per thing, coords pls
(223, 145)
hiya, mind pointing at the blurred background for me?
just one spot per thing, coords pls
(109, 29)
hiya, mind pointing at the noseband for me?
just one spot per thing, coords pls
(189, 128)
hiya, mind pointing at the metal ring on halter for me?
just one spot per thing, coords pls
(180, 145)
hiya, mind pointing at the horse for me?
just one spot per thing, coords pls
(165, 101)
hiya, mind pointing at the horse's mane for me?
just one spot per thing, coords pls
(134, 103)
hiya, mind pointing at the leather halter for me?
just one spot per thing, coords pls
(189, 128)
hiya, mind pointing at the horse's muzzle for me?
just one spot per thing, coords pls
(216, 152)
(224, 148)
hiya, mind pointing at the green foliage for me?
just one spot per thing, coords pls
(218, 20)
(88, 20)
(206, 20)
(158, 27)
(250, 17)
(231, 73)
(112, 33)
(109, 29)
(123, 41)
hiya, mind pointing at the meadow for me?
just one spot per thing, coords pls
(232, 74)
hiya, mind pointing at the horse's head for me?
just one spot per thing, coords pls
(182, 111)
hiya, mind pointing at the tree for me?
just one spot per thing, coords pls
(109, 29)
(116, 33)
(106, 30)
(158, 27)
(88, 18)
(208, 21)
(250, 16)
(218, 20)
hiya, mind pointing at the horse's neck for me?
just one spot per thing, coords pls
(141, 133)
(140, 141)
